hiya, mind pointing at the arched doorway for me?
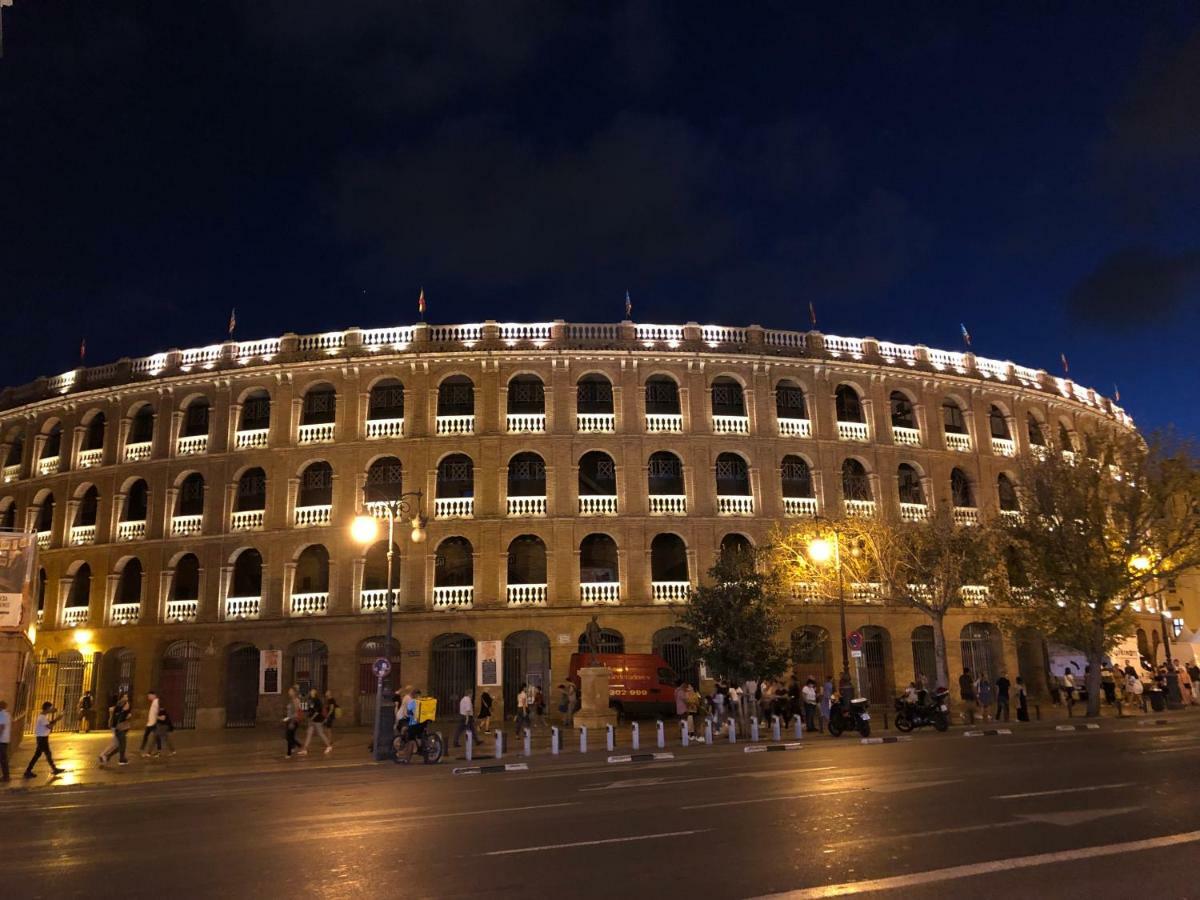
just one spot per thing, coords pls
(241, 686)
(924, 655)
(672, 645)
(179, 683)
(369, 650)
(611, 641)
(812, 655)
(874, 675)
(981, 650)
(526, 661)
(62, 679)
(310, 666)
(116, 679)
(451, 670)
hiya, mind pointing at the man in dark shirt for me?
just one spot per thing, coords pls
(966, 690)
(1002, 685)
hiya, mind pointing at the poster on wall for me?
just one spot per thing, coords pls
(270, 663)
(17, 557)
(487, 654)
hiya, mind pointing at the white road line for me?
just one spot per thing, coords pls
(620, 840)
(1175, 749)
(773, 799)
(915, 835)
(1077, 790)
(985, 868)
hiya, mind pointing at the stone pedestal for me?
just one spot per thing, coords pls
(593, 699)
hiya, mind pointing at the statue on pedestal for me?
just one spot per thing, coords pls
(591, 636)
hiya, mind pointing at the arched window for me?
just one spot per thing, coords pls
(312, 571)
(796, 477)
(594, 395)
(903, 415)
(8, 515)
(909, 484)
(53, 444)
(81, 587)
(129, 583)
(45, 515)
(141, 426)
(733, 477)
(597, 475)
(386, 400)
(375, 567)
(320, 405)
(251, 491)
(247, 574)
(256, 411)
(789, 401)
(736, 548)
(662, 396)
(526, 476)
(316, 485)
(952, 418)
(668, 559)
(16, 451)
(456, 396)
(998, 423)
(665, 474)
(454, 564)
(137, 502)
(1064, 438)
(195, 418)
(455, 477)
(190, 501)
(848, 404)
(89, 506)
(93, 436)
(527, 560)
(1007, 494)
(186, 583)
(526, 396)
(1037, 437)
(385, 480)
(727, 397)
(598, 560)
(855, 483)
(960, 490)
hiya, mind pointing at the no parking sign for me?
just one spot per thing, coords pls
(854, 640)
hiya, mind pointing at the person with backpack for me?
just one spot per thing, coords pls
(291, 721)
(119, 716)
(315, 714)
(151, 723)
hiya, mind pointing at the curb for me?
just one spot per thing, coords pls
(762, 748)
(1088, 727)
(488, 770)
(1154, 722)
(640, 757)
(991, 732)
(884, 740)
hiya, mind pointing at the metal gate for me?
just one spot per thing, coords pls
(981, 651)
(179, 683)
(368, 651)
(924, 655)
(310, 666)
(672, 645)
(117, 679)
(241, 687)
(872, 667)
(526, 661)
(811, 653)
(62, 680)
(451, 671)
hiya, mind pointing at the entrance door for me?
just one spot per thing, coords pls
(179, 683)
(451, 671)
(526, 661)
(872, 667)
(241, 687)
(365, 690)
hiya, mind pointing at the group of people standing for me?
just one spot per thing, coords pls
(991, 700)
(758, 698)
(317, 712)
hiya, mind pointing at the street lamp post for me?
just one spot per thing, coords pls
(365, 529)
(821, 552)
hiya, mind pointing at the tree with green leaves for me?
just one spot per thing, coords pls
(733, 623)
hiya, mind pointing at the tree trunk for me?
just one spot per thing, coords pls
(1095, 658)
(939, 648)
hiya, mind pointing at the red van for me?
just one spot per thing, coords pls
(642, 684)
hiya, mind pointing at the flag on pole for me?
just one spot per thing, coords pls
(232, 322)
(966, 334)
(812, 314)
(1116, 393)
(1066, 368)
(82, 349)
(421, 304)
(628, 306)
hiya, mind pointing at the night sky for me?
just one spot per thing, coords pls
(1033, 172)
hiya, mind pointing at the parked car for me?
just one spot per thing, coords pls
(642, 684)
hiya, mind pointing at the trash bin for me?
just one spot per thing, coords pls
(1158, 702)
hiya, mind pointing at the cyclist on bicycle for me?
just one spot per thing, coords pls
(413, 730)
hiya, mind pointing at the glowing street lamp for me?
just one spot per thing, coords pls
(822, 551)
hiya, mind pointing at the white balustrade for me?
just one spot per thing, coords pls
(799, 506)
(125, 613)
(795, 428)
(991, 368)
(89, 459)
(734, 506)
(264, 349)
(947, 359)
(844, 346)
(974, 594)
(1069, 457)
(192, 445)
(654, 333)
(182, 526)
(82, 535)
(138, 451)
(668, 504)
(914, 512)
(670, 591)
(60, 384)
(314, 515)
(789, 340)
(596, 593)
(330, 340)
(1003, 447)
(731, 424)
(149, 365)
(595, 423)
(200, 356)
(456, 424)
(660, 423)
(852, 431)
(41, 618)
(99, 373)
(312, 603)
(526, 506)
(373, 600)
(320, 433)
(597, 505)
(397, 338)
(721, 334)
(518, 331)
(131, 531)
(466, 334)
(74, 616)
(12, 473)
(966, 515)
(806, 592)
(182, 610)
(48, 465)
(247, 520)
(864, 509)
(863, 592)
(1026, 375)
(905, 354)
(242, 607)
(526, 423)
(957, 441)
(43, 540)
(527, 594)
(251, 438)
(385, 428)
(910, 437)
(460, 597)
(593, 332)
(1012, 515)
(454, 507)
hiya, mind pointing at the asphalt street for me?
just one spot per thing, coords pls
(1109, 812)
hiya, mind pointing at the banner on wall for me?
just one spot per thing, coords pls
(270, 664)
(488, 656)
(18, 554)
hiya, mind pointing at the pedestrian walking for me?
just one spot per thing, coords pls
(564, 704)
(162, 731)
(291, 721)
(1108, 684)
(5, 737)
(466, 718)
(1003, 685)
(523, 701)
(1068, 683)
(966, 691)
(826, 703)
(151, 721)
(485, 712)
(985, 692)
(41, 732)
(539, 706)
(119, 717)
(332, 711)
(1022, 701)
(315, 715)
(809, 695)
(86, 705)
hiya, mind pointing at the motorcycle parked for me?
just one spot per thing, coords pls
(933, 711)
(852, 716)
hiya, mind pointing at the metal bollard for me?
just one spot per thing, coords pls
(775, 736)
(499, 743)
(799, 726)
(470, 746)
(555, 740)
(609, 738)
(754, 729)
(527, 743)
(583, 739)
(732, 731)
(708, 731)
(661, 734)
(683, 732)
(635, 736)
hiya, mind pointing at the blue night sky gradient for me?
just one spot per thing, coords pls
(1033, 172)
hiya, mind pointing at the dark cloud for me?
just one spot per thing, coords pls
(1156, 120)
(1133, 287)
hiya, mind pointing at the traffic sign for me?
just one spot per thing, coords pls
(855, 640)
(381, 667)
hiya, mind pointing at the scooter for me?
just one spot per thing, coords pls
(924, 712)
(852, 716)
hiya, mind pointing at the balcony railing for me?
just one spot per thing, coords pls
(242, 607)
(1003, 447)
(43, 540)
(663, 423)
(192, 445)
(460, 597)
(670, 591)
(182, 610)
(89, 459)
(914, 512)
(974, 594)
(247, 520)
(456, 424)
(48, 465)
(799, 506)
(251, 439)
(864, 509)
(596, 423)
(966, 515)
(599, 593)
(910, 437)
(373, 600)
(526, 423)
(734, 506)
(74, 616)
(806, 592)
(82, 535)
(125, 613)
(1069, 457)
(668, 504)
(454, 507)
(182, 526)
(131, 531)
(137, 452)
(1012, 515)
(12, 473)
(852, 431)
(527, 594)
(863, 592)
(731, 424)
(321, 433)
(385, 428)
(957, 441)
(795, 428)
(313, 603)
(314, 515)
(597, 505)
(526, 506)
